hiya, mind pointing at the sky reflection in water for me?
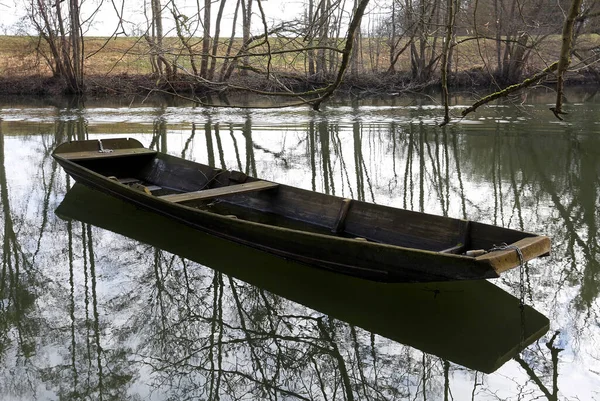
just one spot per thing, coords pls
(85, 312)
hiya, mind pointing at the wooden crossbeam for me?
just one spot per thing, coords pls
(94, 154)
(222, 191)
(134, 181)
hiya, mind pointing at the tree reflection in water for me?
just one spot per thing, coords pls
(86, 313)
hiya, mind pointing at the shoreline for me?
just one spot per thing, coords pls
(134, 85)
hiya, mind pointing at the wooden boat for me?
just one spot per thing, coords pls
(352, 237)
(472, 322)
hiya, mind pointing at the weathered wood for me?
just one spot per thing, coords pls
(95, 145)
(486, 236)
(87, 155)
(134, 181)
(458, 248)
(339, 225)
(314, 208)
(128, 180)
(222, 191)
(464, 244)
(399, 245)
(178, 174)
(238, 176)
(403, 227)
(508, 258)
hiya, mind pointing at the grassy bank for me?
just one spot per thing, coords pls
(122, 66)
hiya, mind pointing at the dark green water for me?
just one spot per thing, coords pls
(108, 302)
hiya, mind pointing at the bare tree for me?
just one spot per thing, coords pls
(160, 65)
(61, 30)
(310, 62)
(185, 33)
(215, 48)
(205, 38)
(246, 21)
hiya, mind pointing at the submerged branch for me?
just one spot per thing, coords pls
(512, 88)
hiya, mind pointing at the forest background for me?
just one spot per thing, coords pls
(303, 50)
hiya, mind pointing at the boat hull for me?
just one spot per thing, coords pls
(356, 257)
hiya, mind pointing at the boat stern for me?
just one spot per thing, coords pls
(505, 257)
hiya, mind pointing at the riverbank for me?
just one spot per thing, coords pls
(122, 67)
(127, 85)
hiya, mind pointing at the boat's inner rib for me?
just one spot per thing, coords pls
(226, 208)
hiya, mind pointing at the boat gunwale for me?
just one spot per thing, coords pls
(104, 183)
(110, 182)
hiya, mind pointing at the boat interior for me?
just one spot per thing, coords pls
(236, 195)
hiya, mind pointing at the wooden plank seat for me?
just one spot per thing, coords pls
(221, 191)
(126, 181)
(95, 154)
(135, 183)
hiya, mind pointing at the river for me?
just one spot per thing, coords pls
(100, 300)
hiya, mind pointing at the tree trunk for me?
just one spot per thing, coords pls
(180, 27)
(355, 49)
(215, 49)
(450, 15)
(226, 67)
(498, 36)
(393, 43)
(247, 18)
(321, 61)
(310, 33)
(205, 40)
(157, 58)
(77, 46)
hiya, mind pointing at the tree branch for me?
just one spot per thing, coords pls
(512, 88)
(354, 25)
(565, 56)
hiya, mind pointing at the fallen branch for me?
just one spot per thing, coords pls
(512, 88)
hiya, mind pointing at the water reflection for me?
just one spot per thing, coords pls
(17, 287)
(86, 313)
(427, 309)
